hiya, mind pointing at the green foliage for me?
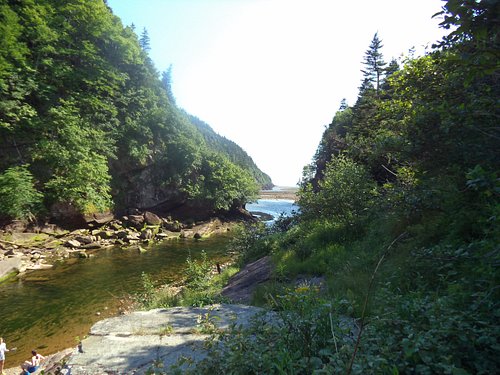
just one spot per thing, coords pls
(374, 63)
(84, 185)
(252, 242)
(198, 272)
(79, 97)
(344, 192)
(19, 198)
(223, 184)
(201, 286)
(147, 295)
(292, 342)
(228, 148)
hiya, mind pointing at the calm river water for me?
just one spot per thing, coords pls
(48, 309)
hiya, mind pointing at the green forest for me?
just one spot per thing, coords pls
(88, 125)
(399, 222)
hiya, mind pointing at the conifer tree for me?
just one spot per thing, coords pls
(144, 41)
(374, 63)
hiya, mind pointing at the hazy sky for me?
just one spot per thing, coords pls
(270, 74)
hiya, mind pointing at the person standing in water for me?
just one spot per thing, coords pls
(3, 349)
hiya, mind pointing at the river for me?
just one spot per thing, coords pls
(48, 309)
(270, 209)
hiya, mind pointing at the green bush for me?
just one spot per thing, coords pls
(18, 197)
(344, 195)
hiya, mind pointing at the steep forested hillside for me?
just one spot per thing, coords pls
(86, 125)
(234, 152)
(399, 214)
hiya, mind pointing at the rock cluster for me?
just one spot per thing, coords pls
(23, 251)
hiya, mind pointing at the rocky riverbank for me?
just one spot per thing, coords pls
(139, 342)
(24, 249)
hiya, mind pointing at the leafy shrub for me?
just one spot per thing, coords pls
(85, 184)
(298, 340)
(18, 197)
(344, 194)
(252, 242)
(198, 272)
(152, 297)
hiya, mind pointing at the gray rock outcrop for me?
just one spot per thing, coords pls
(241, 286)
(131, 344)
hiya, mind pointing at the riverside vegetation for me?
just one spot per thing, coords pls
(399, 215)
(88, 126)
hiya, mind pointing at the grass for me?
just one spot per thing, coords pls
(194, 293)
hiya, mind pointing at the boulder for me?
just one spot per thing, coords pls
(85, 239)
(10, 252)
(146, 234)
(151, 218)
(132, 236)
(241, 286)
(173, 226)
(161, 236)
(92, 246)
(99, 218)
(16, 226)
(106, 234)
(136, 221)
(122, 234)
(116, 225)
(9, 265)
(72, 243)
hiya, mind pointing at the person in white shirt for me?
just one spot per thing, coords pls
(3, 349)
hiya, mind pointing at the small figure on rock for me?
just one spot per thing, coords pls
(30, 367)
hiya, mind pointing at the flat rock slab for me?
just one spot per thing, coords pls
(131, 344)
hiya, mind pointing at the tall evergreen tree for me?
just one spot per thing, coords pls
(144, 41)
(374, 63)
(343, 104)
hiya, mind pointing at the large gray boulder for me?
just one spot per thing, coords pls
(152, 219)
(241, 286)
(136, 221)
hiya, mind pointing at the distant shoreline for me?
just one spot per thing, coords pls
(280, 193)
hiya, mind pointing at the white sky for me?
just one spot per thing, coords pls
(270, 74)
